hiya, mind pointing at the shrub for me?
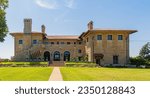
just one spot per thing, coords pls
(137, 61)
(80, 64)
(23, 64)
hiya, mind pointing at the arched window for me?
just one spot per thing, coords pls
(66, 56)
(56, 56)
(46, 56)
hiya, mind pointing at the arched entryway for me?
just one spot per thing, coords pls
(66, 56)
(98, 57)
(56, 56)
(46, 56)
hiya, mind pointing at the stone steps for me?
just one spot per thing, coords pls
(57, 63)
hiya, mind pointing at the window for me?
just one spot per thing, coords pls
(57, 43)
(79, 58)
(46, 43)
(79, 51)
(66, 56)
(27, 59)
(120, 37)
(52, 43)
(93, 38)
(80, 43)
(68, 43)
(99, 37)
(115, 59)
(34, 41)
(62, 43)
(57, 56)
(109, 37)
(20, 41)
(87, 40)
(74, 42)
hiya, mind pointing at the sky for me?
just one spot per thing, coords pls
(70, 17)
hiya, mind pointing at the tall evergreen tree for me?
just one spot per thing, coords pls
(145, 51)
(3, 25)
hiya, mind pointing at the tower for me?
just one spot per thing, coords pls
(27, 25)
(43, 29)
(90, 25)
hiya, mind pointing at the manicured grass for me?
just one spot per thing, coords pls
(105, 74)
(25, 73)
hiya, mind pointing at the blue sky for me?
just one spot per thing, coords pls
(70, 17)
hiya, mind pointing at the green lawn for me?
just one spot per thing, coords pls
(105, 74)
(25, 73)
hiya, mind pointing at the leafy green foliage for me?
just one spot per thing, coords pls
(80, 64)
(3, 4)
(143, 58)
(145, 51)
(23, 64)
(137, 61)
(3, 25)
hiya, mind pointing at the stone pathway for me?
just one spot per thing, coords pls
(56, 75)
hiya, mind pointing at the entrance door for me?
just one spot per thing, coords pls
(46, 56)
(57, 56)
(66, 56)
(98, 61)
(115, 59)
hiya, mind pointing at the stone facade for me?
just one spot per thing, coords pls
(103, 46)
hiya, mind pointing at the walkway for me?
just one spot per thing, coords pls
(56, 75)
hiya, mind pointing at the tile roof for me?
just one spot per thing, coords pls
(108, 29)
(62, 37)
(112, 29)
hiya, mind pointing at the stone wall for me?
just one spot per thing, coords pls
(108, 48)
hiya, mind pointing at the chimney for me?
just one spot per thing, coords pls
(43, 28)
(27, 25)
(90, 25)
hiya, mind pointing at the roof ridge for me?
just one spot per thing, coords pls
(63, 35)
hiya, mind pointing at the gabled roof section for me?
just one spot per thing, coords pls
(112, 29)
(21, 33)
(107, 30)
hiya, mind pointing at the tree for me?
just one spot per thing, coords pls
(3, 25)
(137, 61)
(145, 51)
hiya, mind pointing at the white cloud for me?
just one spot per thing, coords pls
(69, 3)
(45, 4)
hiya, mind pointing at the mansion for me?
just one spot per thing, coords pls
(103, 46)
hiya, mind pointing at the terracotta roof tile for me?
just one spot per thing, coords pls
(62, 37)
(112, 29)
